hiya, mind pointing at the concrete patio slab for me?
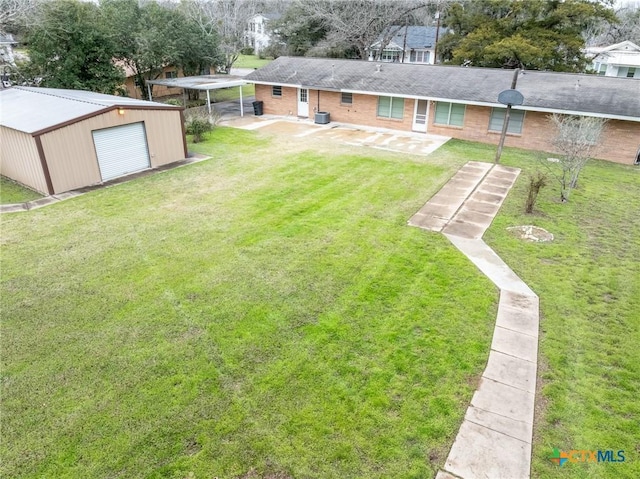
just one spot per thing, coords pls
(480, 452)
(446, 202)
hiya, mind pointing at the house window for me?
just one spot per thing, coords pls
(172, 74)
(622, 72)
(449, 113)
(389, 107)
(347, 99)
(631, 73)
(603, 69)
(276, 90)
(390, 55)
(516, 119)
(419, 56)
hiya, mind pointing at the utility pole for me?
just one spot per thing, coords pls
(510, 99)
(435, 46)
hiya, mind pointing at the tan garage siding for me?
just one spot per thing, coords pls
(71, 154)
(19, 159)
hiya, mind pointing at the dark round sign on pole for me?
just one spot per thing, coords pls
(511, 97)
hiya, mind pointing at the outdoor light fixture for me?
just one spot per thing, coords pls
(120, 111)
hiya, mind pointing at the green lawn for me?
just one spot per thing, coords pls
(228, 94)
(266, 313)
(269, 313)
(588, 281)
(12, 192)
(251, 61)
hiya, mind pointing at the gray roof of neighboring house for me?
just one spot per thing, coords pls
(33, 109)
(609, 97)
(417, 37)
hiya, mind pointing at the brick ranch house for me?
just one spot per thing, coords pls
(452, 101)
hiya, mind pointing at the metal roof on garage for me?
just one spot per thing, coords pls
(34, 109)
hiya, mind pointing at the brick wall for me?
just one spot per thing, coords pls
(287, 104)
(620, 142)
(362, 111)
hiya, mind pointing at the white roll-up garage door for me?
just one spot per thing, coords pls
(121, 150)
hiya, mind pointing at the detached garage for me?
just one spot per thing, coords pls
(58, 140)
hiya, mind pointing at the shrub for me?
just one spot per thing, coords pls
(247, 51)
(198, 125)
(536, 183)
(196, 103)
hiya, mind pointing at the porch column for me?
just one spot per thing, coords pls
(241, 105)
(208, 102)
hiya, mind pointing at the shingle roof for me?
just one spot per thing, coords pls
(609, 97)
(32, 109)
(418, 37)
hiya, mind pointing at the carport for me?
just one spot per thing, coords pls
(202, 82)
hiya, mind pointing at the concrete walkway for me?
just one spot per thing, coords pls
(494, 440)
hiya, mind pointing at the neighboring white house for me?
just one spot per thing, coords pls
(258, 35)
(6, 49)
(619, 60)
(406, 44)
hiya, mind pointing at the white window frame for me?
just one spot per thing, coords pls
(346, 98)
(512, 124)
(389, 116)
(390, 56)
(449, 106)
(418, 56)
(276, 91)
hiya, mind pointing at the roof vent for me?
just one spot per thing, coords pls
(378, 68)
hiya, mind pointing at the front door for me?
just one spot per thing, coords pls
(303, 102)
(420, 115)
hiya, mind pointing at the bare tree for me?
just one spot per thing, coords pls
(229, 19)
(627, 27)
(359, 23)
(575, 138)
(16, 12)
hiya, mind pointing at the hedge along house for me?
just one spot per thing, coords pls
(452, 101)
(57, 140)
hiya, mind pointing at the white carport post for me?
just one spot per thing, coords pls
(149, 90)
(241, 105)
(208, 102)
